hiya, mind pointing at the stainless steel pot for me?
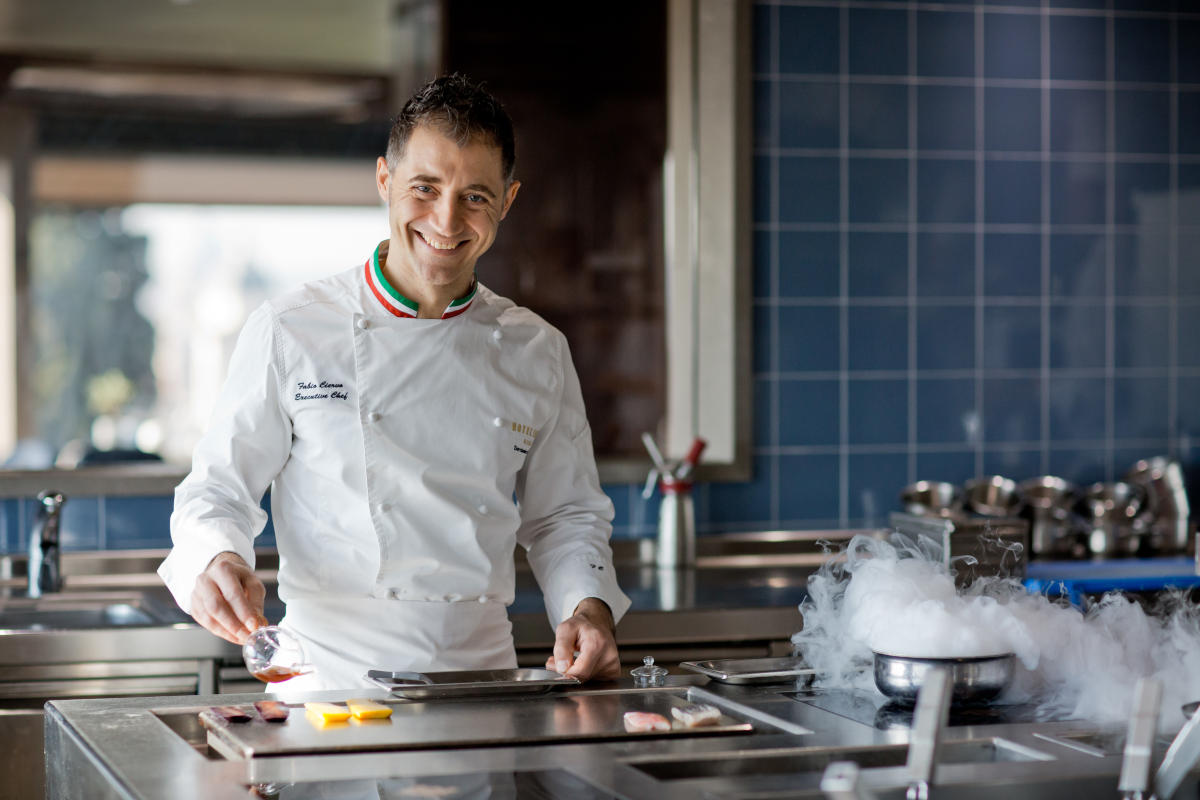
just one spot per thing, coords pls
(978, 679)
(1047, 505)
(1112, 512)
(929, 497)
(1189, 709)
(991, 496)
(1166, 501)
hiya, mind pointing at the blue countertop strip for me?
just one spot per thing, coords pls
(1078, 578)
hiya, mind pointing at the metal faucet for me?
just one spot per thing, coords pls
(44, 572)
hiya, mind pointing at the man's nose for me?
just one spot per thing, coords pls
(447, 218)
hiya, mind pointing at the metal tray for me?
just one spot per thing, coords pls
(459, 723)
(753, 670)
(469, 683)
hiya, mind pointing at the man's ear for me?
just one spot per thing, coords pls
(510, 195)
(383, 177)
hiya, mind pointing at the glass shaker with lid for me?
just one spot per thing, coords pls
(649, 674)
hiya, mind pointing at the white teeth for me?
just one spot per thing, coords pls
(438, 245)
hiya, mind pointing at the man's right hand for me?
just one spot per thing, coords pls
(228, 599)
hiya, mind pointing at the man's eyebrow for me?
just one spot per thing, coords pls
(474, 187)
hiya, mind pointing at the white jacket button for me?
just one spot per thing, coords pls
(363, 324)
(374, 416)
(482, 509)
(385, 508)
(497, 335)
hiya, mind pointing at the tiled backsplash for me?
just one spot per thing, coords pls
(977, 250)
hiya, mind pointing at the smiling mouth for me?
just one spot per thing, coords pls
(439, 245)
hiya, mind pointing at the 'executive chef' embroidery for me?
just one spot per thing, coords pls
(321, 390)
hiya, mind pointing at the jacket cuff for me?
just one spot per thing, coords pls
(194, 550)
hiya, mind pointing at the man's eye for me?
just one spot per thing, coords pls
(476, 198)
(423, 189)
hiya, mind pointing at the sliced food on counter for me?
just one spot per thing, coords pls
(645, 722)
(271, 710)
(696, 715)
(327, 712)
(231, 713)
(368, 709)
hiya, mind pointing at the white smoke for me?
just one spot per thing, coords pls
(896, 597)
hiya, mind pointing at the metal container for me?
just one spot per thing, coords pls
(991, 496)
(972, 547)
(676, 525)
(1166, 502)
(1111, 511)
(1047, 502)
(930, 497)
(978, 679)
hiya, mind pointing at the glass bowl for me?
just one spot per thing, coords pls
(273, 655)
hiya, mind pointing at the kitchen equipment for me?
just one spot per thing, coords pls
(1189, 709)
(753, 670)
(929, 720)
(1181, 758)
(930, 497)
(459, 723)
(648, 674)
(272, 654)
(972, 547)
(676, 544)
(976, 679)
(469, 683)
(1139, 740)
(840, 782)
(1047, 502)
(1166, 502)
(676, 525)
(1111, 511)
(44, 547)
(991, 496)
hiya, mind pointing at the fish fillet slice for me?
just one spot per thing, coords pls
(645, 721)
(697, 715)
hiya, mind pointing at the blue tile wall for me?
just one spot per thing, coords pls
(977, 249)
(989, 262)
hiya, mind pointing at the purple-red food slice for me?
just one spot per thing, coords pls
(231, 713)
(272, 710)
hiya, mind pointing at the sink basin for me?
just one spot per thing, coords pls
(73, 612)
(813, 761)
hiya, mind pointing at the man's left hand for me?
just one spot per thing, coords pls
(590, 632)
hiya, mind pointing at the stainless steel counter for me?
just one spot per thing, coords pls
(154, 748)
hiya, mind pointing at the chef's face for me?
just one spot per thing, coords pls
(445, 204)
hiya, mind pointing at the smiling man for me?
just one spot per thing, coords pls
(414, 427)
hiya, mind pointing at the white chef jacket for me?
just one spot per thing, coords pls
(406, 459)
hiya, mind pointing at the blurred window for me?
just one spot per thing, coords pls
(135, 311)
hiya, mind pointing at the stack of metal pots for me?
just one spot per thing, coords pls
(1145, 514)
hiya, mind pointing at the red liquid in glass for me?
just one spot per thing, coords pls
(276, 674)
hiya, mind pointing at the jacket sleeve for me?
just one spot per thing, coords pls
(218, 505)
(566, 519)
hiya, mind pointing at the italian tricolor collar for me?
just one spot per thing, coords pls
(399, 305)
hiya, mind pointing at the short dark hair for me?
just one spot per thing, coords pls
(460, 109)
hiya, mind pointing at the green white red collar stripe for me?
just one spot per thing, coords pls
(398, 304)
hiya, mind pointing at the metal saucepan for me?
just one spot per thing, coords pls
(978, 679)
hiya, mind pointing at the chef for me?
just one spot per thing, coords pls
(413, 428)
